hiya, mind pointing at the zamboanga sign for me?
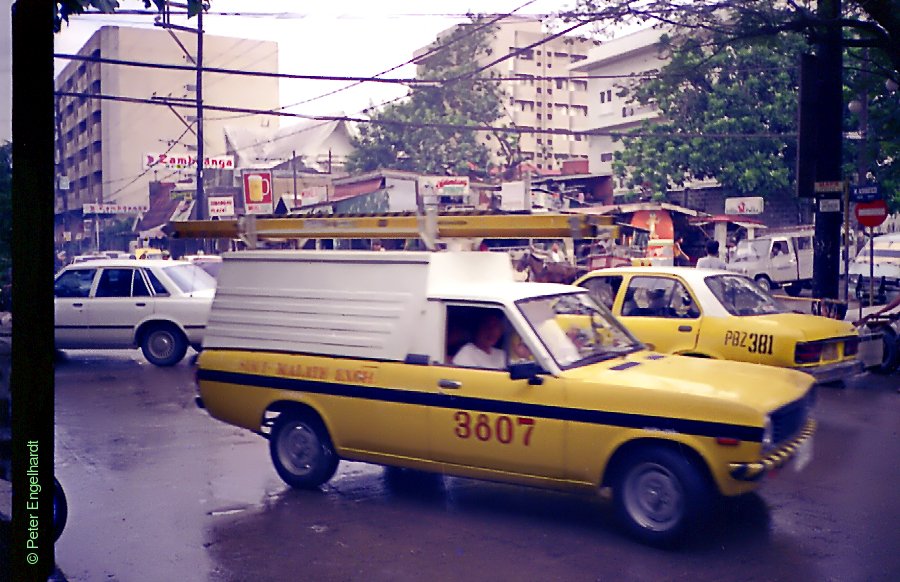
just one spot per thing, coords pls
(185, 161)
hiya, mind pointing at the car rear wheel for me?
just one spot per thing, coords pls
(301, 451)
(164, 345)
(659, 495)
(890, 355)
(793, 289)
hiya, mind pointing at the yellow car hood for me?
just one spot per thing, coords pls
(697, 386)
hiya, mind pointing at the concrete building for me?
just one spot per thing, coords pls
(104, 144)
(612, 66)
(545, 98)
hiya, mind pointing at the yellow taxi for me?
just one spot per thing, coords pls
(720, 314)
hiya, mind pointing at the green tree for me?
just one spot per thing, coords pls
(403, 135)
(709, 101)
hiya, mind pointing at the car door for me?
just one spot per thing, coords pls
(120, 302)
(489, 421)
(661, 312)
(783, 260)
(71, 290)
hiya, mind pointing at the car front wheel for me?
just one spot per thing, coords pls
(164, 345)
(659, 495)
(302, 451)
(764, 283)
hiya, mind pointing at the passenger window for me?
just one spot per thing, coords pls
(475, 337)
(115, 283)
(74, 283)
(604, 289)
(658, 297)
(156, 284)
(140, 288)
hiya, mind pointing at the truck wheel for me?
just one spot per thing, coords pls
(164, 345)
(659, 494)
(793, 289)
(764, 283)
(301, 451)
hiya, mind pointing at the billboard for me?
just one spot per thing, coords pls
(258, 197)
(171, 161)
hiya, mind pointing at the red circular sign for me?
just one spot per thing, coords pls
(872, 213)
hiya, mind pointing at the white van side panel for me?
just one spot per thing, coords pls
(309, 302)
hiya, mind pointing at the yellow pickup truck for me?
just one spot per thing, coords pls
(357, 356)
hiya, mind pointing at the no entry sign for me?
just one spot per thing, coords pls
(872, 213)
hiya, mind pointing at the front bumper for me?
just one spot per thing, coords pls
(834, 372)
(776, 459)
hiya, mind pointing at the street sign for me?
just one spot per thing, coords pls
(829, 187)
(829, 204)
(872, 213)
(745, 205)
(865, 192)
(220, 206)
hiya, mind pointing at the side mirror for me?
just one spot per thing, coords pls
(527, 371)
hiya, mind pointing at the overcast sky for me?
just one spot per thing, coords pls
(338, 37)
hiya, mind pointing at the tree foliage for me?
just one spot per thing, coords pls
(711, 102)
(65, 8)
(702, 91)
(460, 95)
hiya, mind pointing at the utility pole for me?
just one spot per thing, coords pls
(829, 52)
(200, 200)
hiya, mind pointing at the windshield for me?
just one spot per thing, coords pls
(576, 330)
(750, 250)
(190, 278)
(740, 296)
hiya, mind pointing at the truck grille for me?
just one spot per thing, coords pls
(790, 418)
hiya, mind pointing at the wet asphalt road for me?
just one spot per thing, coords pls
(158, 490)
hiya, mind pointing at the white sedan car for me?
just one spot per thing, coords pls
(158, 305)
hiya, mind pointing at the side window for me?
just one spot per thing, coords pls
(115, 283)
(476, 337)
(74, 283)
(140, 289)
(158, 287)
(659, 297)
(604, 289)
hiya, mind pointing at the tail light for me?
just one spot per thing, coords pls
(807, 353)
(851, 346)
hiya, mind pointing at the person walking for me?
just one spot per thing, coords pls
(711, 260)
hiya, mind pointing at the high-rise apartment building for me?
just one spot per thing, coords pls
(545, 98)
(612, 67)
(103, 142)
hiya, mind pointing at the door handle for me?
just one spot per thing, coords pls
(450, 384)
(141, 304)
(78, 305)
(684, 328)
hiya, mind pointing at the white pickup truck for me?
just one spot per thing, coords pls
(777, 260)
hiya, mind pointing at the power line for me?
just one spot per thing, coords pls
(446, 126)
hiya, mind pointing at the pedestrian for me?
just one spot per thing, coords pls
(711, 260)
(681, 258)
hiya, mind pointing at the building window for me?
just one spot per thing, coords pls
(526, 55)
(549, 116)
(607, 157)
(540, 141)
(577, 137)
(580, 85)
(539, 116)
(560, 83)
(539, 90)
(576, 58)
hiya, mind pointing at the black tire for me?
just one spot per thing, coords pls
(301, 451)
(660, 495)
(794, 289)
(891, 351)
(764, 283)
(163, 344)
(60, 509)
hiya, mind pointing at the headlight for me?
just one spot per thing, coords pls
(768, 434)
